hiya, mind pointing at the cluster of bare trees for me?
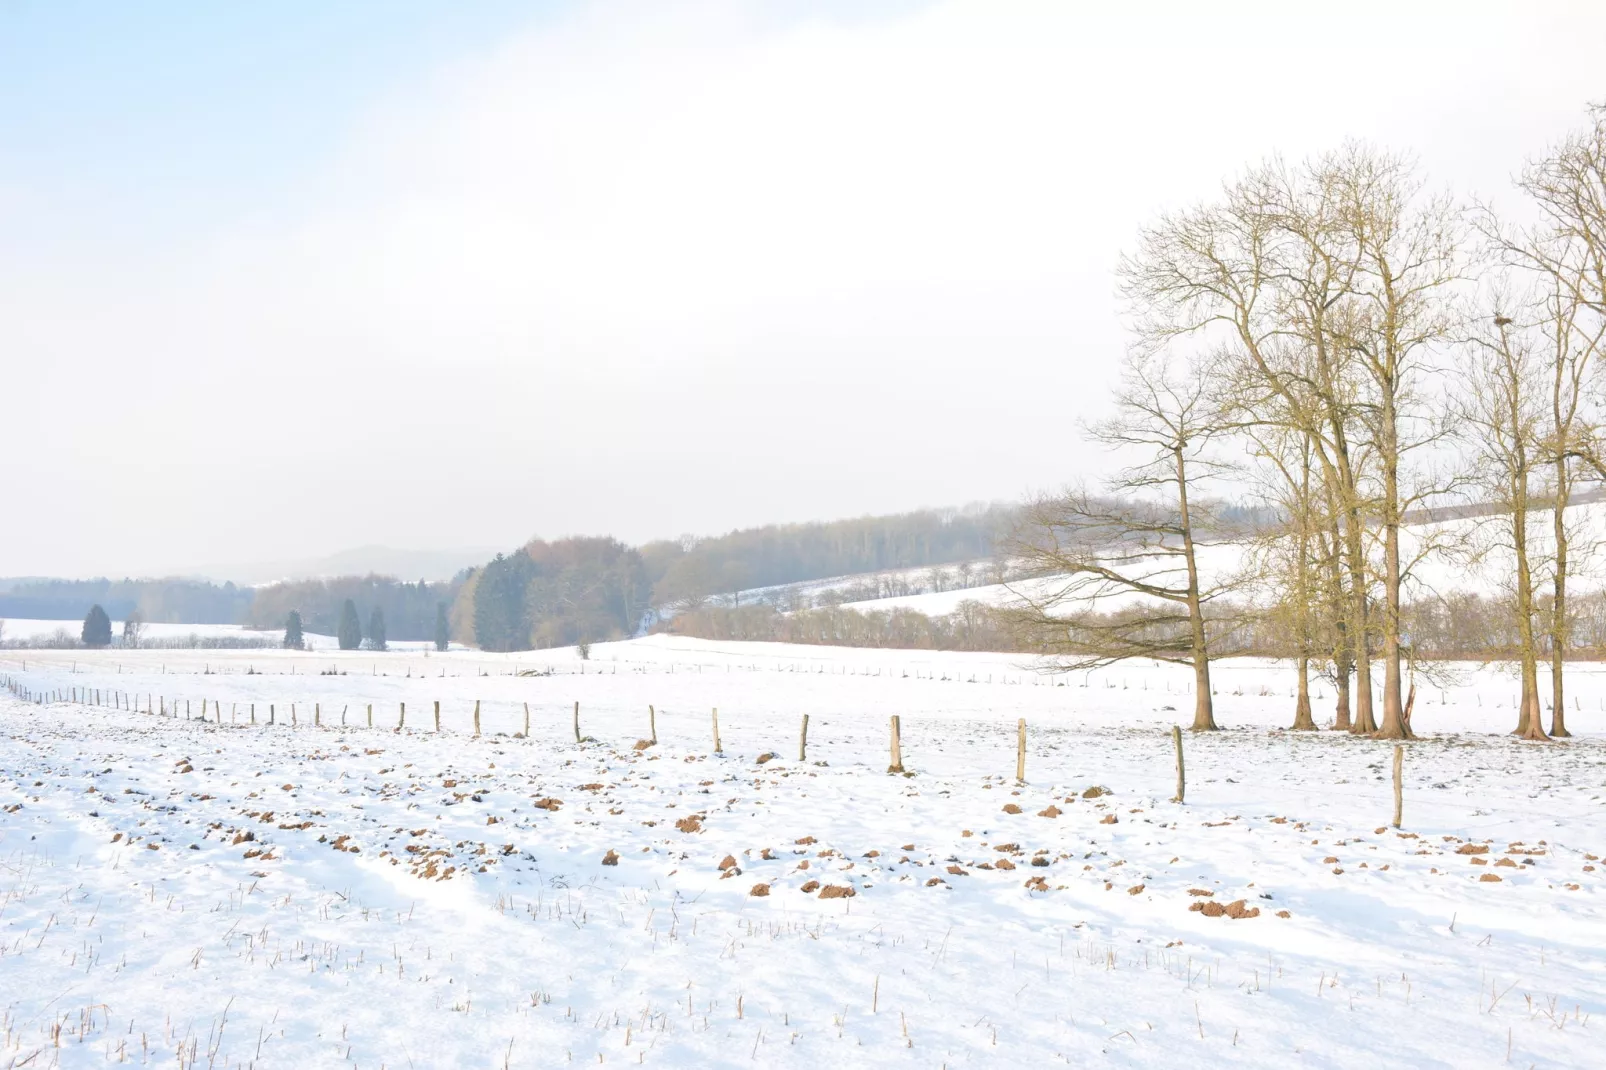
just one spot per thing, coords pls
(1356, 347)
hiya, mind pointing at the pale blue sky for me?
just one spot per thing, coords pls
(278, 279)
(161, 114)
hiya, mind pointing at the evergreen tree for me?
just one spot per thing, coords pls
(350, 632)
(97, 633)
(443, 633)
(376, 630)
(293, 639)
(501, 603)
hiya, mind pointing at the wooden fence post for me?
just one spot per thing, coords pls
(317, 715)
(370, 715)
(1399, 769)
(526, 720)
(652, 724)
(803, 741)
(437, 715)
(717, 748)
(343, 710)
(1182, 779)
(292, 715)
(273, 715)
(253, 713)
(577, 722)
(401, 720)
(1020, 751)
(476, 717)
(897, 748)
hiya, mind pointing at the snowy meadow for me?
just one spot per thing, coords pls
(186, 887)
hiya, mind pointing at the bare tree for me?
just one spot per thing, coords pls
(1136, 544)
(1503, 418)
(133, 629)
(1409, 251)
(1264, 274)
(1566, 250)
(1287, 555)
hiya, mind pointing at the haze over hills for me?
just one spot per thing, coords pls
(433, 565)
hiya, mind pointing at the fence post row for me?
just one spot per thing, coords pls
(120, 700)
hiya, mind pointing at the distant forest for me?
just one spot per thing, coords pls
(565, 591)
(160, 601)
(409, 608)
(692, 572)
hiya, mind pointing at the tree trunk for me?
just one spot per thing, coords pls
(1530, 724)
(1393, 726)
(1341, 670)
(1204, 715)
(1558, 608)
(1303, 721)
(1364, 724)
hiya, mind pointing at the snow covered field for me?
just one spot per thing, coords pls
(24, 629)
(182, 892)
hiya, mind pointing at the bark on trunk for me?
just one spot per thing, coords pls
(1364, 723)
(1530, 724)
(1204, 715)
(1303, 721)
(1558, 608)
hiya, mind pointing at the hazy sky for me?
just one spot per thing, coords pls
(278, 279)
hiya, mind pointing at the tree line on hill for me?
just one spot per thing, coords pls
(554, 593)
(690, 573)
(164, 601)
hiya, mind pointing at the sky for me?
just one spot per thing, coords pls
(281, 279)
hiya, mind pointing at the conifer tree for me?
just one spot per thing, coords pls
(97, 633)
(350, 631)
(443, 632)
(376, 630)
(293, 639)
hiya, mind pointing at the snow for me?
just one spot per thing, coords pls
(307, 956)
(25, 629)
